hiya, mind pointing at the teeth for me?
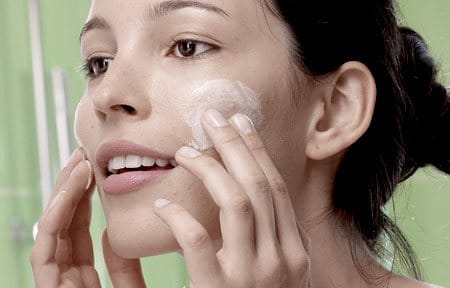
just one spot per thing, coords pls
(133, 161)
(118, 163)
(148, 161)
(162, 163)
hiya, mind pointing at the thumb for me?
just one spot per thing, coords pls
(123, 272)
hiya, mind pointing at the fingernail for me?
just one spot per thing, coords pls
(215, 119)
(243, 123)
(75, 155)
(91, 172)
(161, 203)
(188, 152)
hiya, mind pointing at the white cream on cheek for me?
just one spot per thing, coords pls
(226, 96)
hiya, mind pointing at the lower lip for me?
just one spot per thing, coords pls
(131, 181)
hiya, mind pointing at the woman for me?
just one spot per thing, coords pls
(345, 106)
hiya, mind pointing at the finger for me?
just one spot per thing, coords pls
(82, 248)
(198, 249)
(285, 220)
(236, 215)
(241, 164)
(73, 161)
(45, 270)
(60, 211)
(123, 272)
(75, 185)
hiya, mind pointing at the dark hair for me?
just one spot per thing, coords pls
(410, 125)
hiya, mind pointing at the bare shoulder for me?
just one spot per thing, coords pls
(404, 282)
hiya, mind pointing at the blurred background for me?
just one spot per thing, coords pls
(40, 85)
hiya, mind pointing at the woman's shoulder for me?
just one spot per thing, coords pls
(403, 282)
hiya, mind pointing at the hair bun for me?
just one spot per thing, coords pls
(428, 123)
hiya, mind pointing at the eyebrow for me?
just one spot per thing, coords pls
(95, 23)
(163, 8)
(156, 11)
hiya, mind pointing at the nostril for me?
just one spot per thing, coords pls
(127, 108)
(100, 115)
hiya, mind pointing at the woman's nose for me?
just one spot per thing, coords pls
(120, 96)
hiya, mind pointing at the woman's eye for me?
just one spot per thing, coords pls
(96, 66)
(190, 48)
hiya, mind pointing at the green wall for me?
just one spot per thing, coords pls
(421, 204)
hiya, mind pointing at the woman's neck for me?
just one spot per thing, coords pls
(331, 255)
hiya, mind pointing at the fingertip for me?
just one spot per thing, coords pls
(91, 174)
(76, 157)
(83, 152)
(187, 152)
(79, 172)
(160, 203)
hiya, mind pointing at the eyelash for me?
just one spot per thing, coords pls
(86, 66)
(173, 46)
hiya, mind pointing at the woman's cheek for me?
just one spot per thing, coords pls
(84, 126)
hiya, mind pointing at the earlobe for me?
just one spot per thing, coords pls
(344, 111)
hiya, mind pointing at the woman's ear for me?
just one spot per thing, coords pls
(342, 112)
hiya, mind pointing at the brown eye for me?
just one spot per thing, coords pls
(190, 49)
(186, 49)
(98, 66)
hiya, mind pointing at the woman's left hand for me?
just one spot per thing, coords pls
(262, 243)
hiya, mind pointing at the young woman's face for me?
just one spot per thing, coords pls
(145, 58)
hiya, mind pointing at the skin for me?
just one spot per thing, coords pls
(245, 213)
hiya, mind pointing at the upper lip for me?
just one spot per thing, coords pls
(109, 150)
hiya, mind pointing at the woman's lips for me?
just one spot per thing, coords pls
(129, 181)
(109, 150)
(133, 180)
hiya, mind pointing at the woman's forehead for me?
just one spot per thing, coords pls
(242, 16)
(150, 7)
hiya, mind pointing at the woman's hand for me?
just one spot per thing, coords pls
(262, 244)
(62, 255)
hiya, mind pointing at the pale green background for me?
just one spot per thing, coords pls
(422, 204)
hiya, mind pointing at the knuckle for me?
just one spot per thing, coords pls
(300, 263)
(258, 183)
(279, 187)
(45, 225)
(79, 227)
(232, 139)
(240, 204)
(33, 258)
(273, 272)
(255, 144)
(197, 239)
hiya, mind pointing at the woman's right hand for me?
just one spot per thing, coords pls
(62, 255)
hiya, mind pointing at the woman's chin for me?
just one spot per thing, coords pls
(131, 240)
